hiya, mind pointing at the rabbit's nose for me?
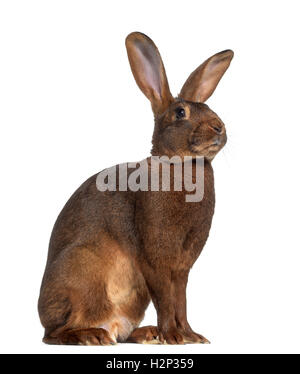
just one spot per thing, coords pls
(217, 129)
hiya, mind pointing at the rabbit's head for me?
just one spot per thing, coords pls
(184, 126)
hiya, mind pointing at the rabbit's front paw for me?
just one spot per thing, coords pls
(171, 336)
(193, 337)
(144, 335)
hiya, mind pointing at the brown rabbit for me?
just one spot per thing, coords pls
(112, 252)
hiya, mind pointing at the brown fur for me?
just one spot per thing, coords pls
(111, 252)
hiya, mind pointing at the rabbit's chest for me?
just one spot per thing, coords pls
(173, 230)
(194, 230)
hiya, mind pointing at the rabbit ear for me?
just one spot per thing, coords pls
(203, 81)
(148, 70)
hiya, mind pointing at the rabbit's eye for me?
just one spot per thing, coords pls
(180, 113)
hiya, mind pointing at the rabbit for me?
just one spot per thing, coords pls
(112, 252)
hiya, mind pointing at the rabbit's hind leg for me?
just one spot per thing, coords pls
(92, 296)
(81, 337)
(73, 302)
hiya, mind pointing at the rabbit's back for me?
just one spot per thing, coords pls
(89, 213)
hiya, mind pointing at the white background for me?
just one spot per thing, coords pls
(69, 107)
